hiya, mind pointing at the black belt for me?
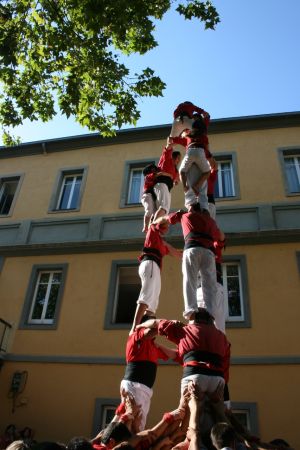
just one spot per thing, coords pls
(143, 372)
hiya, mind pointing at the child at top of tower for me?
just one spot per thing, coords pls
(197, 163)
(184, 116)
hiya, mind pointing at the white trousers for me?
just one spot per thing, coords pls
(149, 273)
(178, 126)
(163, 197)
(194, 164)
(142, 395)
(195, 260)
(148, 204)
(205, 382)
(219, 309)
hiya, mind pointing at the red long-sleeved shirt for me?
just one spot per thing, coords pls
(198, 337)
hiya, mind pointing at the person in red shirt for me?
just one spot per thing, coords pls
(196, 164)
(142, 355)
(203, 350)
(184, 115)
(155, 248)
(200, 232)
(167, 177)
(148, 197)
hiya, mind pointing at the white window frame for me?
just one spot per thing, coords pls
(129, 169)
(75, 177)
(221, 194)
(250, 409)
(225, 285)
(296, 161)
(43, 320)
(113, 294)
(133, 170)
(8, 179)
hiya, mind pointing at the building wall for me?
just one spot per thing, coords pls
(80, 360)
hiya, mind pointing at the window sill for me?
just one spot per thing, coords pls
(57, 211)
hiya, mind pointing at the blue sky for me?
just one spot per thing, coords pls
(249, 65)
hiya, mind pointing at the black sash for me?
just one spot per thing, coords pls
(143, 372)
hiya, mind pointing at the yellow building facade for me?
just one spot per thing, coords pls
(70, 234)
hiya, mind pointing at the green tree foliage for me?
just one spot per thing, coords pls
(68, 51)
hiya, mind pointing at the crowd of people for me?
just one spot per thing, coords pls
(203, 417)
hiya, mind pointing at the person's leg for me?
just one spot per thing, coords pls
(208, 279)
(149, 207)
(190, 268)
(219, 309)
(163, 200)
(149, 273)
(179, 125)
(195, 405)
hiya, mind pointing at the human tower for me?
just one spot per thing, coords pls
(201, 345)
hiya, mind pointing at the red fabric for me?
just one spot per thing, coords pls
(120, 409)
(190, 109)
(154, 240)
(201, 141)
(219, 245)
(140, 349)
(199, 223)
(166, 163)
(149, 181)
(211, 181)
(99, 446)
(201, 337)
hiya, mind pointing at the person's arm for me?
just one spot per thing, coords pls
(170, 352)
(179, 140)
(151, 323)
(165, 174)
(173, 251)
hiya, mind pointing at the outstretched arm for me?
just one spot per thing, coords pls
(170, 352)
(151, 323)
(173, 251)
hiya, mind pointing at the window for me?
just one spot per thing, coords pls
(124, 289)
(43, 297)
(68, 190)
(235, 285)
(9, 187)
(135, 186)
(246, 415)
(104, 413)
(69, 193)
(232, 282)
(133, 183)
(226, 186)
(292, 170)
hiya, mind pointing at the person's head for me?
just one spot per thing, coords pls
(114, 433)
(79, 443)
(182, 108)
(176, 156)
(223, 435)
(27, 433)
(195, 207)
(11, 430)
(202, 315)
(150, 168)
(198, 128)
(163, 227)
